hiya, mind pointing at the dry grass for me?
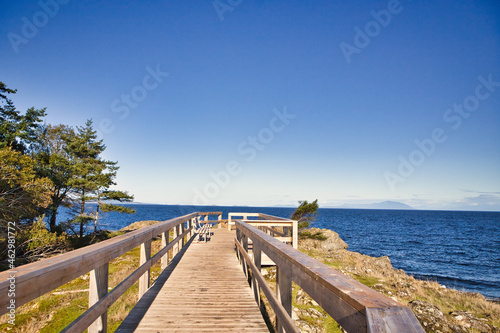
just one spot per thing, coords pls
(51, 313)
(379, 274)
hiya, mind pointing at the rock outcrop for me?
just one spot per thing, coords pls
(324, 239)
(438, 308)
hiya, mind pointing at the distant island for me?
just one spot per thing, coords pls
(378, 205)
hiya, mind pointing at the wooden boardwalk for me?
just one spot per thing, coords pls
(206, 292)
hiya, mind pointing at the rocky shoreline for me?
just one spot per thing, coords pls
(438, 308)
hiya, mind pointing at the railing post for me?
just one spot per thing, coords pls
(145, 256)
(238, 238)
(175, 248)
(98, 288)
(244, 240)
(284, 293)
(181, 231)
(219, 218)
(295, 235)
(165, 240)
(257, 259)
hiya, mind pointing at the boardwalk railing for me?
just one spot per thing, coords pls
(38, 278)
(353, 305)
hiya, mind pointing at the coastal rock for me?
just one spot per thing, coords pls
(469, 321)
(430, 317)
(324, 239)
(380, 275)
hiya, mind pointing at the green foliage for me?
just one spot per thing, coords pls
(317, 235)
(54, 162)
(21, 191)
(93, 178)
(36, 241)
(17, 131)
(44, 167)
(305, 213)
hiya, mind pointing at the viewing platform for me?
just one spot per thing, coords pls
(211, 280)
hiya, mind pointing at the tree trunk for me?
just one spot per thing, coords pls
(96, 216)
(82, 211)
(53, 216)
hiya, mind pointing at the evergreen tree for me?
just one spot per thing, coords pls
(54, 162)
(93, 178)
(17, 131)
(305, 213)
(21, 191)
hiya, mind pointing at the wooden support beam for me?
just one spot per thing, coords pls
(257, 259)
(278, 309)
(144, 280)
(353, 305)
(38, 278)
(85, 320)
(175, 249)
(244, 242)
(165, 240)
(284, 294)
(181, 231)
(98, 288)
(295, 235)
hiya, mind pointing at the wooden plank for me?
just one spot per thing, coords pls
(89, 316)
(165, 240)
(98, 288)
(35, 279)
(207, 291)
(345, 299)
(279, 310)
(271, 217)
(284, 295)
(257, 260)
(272, 231)
(145, 255)
(267, 223)
(397, 319)
(209, 213)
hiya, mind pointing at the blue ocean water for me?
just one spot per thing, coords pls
(458, 249)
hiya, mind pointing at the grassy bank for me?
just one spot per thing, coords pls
(57, 309)
(437, 307)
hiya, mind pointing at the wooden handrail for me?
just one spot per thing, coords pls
(356, 307)
(209, 213)
(279, 310)
(273, 231)
(89, 316)
(36, 279)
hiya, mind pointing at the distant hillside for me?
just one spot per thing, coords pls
(379, 205)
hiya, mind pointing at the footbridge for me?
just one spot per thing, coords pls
(210, 280)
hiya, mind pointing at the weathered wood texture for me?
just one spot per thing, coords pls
(282, 314)
(353, 305)
(207, 292)
(89, 316)
(35, 279)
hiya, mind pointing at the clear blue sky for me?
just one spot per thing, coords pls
(278, 101)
